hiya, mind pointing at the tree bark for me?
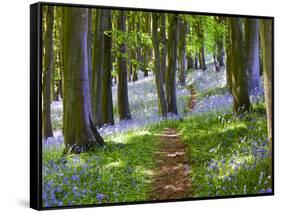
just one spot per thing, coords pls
(122, 87)
(266, 33)
(219, 43)
(252, 46)
(107, 105)
(163, 42)
(173, 38)
(98, 61)
(90, 50)
(162, 105)
(196, 62)
(182, 52)
(47, 73)
(202, 57)
(238, 67)
(79, 133)
(147, 49)
(200, 34)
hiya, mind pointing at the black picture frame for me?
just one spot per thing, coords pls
(36, 102)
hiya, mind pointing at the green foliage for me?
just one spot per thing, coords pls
(228, 154)
(120, 171)
(211, 92)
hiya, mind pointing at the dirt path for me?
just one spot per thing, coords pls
(172, 176)
(191, 103)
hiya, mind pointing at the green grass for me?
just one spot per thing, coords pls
(227, 153)
(211, 92)
(223, 151)
(119, 172)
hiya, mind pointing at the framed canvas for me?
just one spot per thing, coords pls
(134, 106)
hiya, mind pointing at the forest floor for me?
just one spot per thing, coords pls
(171, 176)
(204, 151)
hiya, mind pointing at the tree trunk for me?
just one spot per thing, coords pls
(60, 15)
(47, 73)
(79, 133)
(122, 87)
(219, 43)
(216, 63)
(182, 52)
(238, 67)
(202, 57)
(138, 48)
(147, 48)
(173, 38)
(163, 42)
(228, 60)
(162, 106)
(200, 35)
(267, 56)
(90, 48)
(107, 105)
(190, 62)
(196, 63)
(98, 61)
(252, 46)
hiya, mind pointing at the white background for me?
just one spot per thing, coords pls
(14, 105)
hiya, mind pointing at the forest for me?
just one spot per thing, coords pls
(146, 105)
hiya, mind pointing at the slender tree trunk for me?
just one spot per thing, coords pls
(220, 53)
(238, 67)
(228, 59)
(90, 47)
(219, 43)
(98, 61)
(47, 73)
(216, 63)
(122, 87)
(252, 46)
(60, 15)
(79, 133)
(147, 48)
(138, 48)
(182, 52)
(200, 35)
(190, 61)
(173, 38)
(196, 62)
(163, 42)
(107, 105)
(202, 57)
(162, 106)
(267, 56)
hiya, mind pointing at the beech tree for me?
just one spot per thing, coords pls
(162, 105)
(266, 34)
(237, 66)
(173, 38)
(98, 62)
(107, 105)
(182, 52)
(122, 87)
(48, 61)
(163, 45)
(79, 131)
(252, 47)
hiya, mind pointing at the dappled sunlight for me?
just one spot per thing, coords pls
(116, 164)
(146, 110)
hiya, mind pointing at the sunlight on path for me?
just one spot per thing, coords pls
(171, 178)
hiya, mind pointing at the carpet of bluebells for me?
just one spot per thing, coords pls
(228, 154)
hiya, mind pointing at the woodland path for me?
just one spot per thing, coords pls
(172, 178)
(192, 101)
